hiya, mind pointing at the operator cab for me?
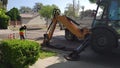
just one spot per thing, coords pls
(108, 13)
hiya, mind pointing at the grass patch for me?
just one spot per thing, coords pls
(46, 54)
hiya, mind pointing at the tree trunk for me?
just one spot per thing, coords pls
(15, 23)
(46, 22)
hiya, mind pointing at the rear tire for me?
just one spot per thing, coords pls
(103, 40)
(68, 35)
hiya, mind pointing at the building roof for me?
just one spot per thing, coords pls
(29, 15)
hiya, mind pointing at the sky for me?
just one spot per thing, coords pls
(60, 3)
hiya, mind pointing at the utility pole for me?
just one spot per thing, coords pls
(73, 8)
(78, 8)
(78, 5)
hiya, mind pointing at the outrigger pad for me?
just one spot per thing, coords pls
(61, 47)
(70, 58)
(54, 46)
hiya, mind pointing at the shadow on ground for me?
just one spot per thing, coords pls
(39, 38)
(60, 42)
(34, 29)
(90, 59)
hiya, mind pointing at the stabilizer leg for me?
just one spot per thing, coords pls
(45, 41)
(74, 56)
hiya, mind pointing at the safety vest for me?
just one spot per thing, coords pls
(21, 32)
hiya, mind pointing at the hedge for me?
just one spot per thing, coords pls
(19, 53)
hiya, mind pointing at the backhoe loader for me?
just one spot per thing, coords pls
(104, 33)
(71, 28)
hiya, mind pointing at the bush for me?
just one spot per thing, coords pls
(19, 53)
(3, 19)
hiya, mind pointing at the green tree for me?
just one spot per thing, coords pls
(83, 7)
(37, 7)
(72, 10)
(3, 19)
(25, 9)
(86, 13)
(14, 15)
(54, 6)
(47, 11)
(93, 1)
(69, 10)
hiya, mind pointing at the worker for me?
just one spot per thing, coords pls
(22, 32)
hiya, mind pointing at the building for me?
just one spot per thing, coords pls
(3, 3)
(32, 19)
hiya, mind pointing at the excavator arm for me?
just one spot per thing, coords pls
(73, 28)
(79, 33)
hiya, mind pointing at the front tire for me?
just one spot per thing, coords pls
(103, 40)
